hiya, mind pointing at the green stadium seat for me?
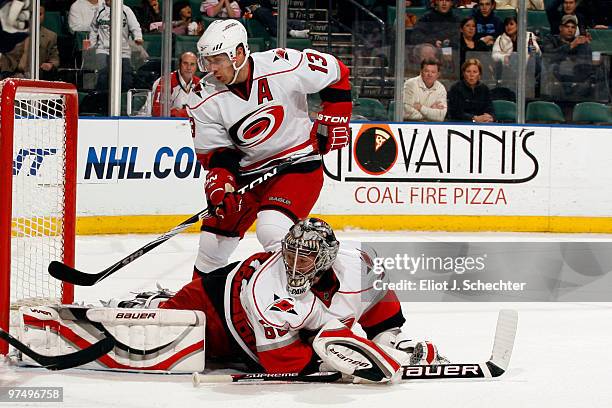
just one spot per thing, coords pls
(544, 112)
(602, 40)
(135, 3)
(392, 12)
(537, 21)
(184, 43)
(505, 111)
(502, 14)
(153, 44)
(196, 14)
(592, 112)
(370, 108)
(54, 21)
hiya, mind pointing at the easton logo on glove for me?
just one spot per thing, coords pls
(331, 128)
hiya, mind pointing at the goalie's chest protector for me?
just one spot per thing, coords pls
(270, 304)
(270, 122)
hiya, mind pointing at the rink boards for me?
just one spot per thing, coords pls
(141, 175)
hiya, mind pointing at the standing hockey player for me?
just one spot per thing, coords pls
(252, 114)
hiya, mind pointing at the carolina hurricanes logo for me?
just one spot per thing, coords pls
(257, 127)
(284, 305)
(280, 53)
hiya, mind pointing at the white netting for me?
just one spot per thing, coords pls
(39, 154)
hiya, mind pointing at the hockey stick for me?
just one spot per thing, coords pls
(503, 344)
(68, 274)
(64, 361)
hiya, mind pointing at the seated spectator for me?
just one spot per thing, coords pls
(505, 44)
(182, 23)
(467, 42)
(149, 16)
(469, 100)
(182, 83)
(99, 39)
(8, 62)
(424, 95)
(488, 25)
(81, 14)
(437, 27)
(261, 10)
(569, 57)
(221, 8)
(48, 54)
(554, 14)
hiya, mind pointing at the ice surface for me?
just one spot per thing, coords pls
(562, 354)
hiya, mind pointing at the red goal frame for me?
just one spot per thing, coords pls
(8, 90)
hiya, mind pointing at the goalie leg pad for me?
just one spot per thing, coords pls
(350, 354)
(152, 340)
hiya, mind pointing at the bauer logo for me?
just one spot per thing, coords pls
(433, 154)
(127, 162)
(135, 316)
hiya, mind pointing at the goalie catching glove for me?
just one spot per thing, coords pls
(331, 128)
(219, 189)
(342, 350)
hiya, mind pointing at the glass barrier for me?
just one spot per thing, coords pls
(361, 33)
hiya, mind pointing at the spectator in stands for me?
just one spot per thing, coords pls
(438, 27)
(424, 95)
(81, 14)
(488, 25)
(182, 82)
(569, 56)
(469, 99)
(568, 8)
(505, 45)
(182, 22)
(221, 8)
(467, 42)
(48, 54)
(149, 16)
(261, 10)
(99, 39)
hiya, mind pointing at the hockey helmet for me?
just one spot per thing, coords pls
(309, 248)
(223, 37)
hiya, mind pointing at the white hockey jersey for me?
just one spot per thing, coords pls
(271, 122)
(277, 319)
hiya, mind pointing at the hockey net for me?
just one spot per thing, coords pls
(38, 132)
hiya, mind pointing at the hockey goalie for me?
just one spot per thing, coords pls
(288, 311)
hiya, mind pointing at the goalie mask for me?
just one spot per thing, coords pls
(223, 37)
(308, 249)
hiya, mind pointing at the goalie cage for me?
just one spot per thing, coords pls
(38, 142)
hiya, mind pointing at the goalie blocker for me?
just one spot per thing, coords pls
(152, 340)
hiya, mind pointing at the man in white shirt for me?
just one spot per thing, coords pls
(182, 82)
(424, 95)
(99, 38)
(82, 13)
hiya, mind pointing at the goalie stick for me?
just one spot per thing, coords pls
(503, 344)
(68, 274)
(63, 361)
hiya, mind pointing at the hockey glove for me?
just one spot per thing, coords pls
(342, 350)
(331, 128)
(219, 189)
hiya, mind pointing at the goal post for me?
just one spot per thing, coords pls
(38, 149)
